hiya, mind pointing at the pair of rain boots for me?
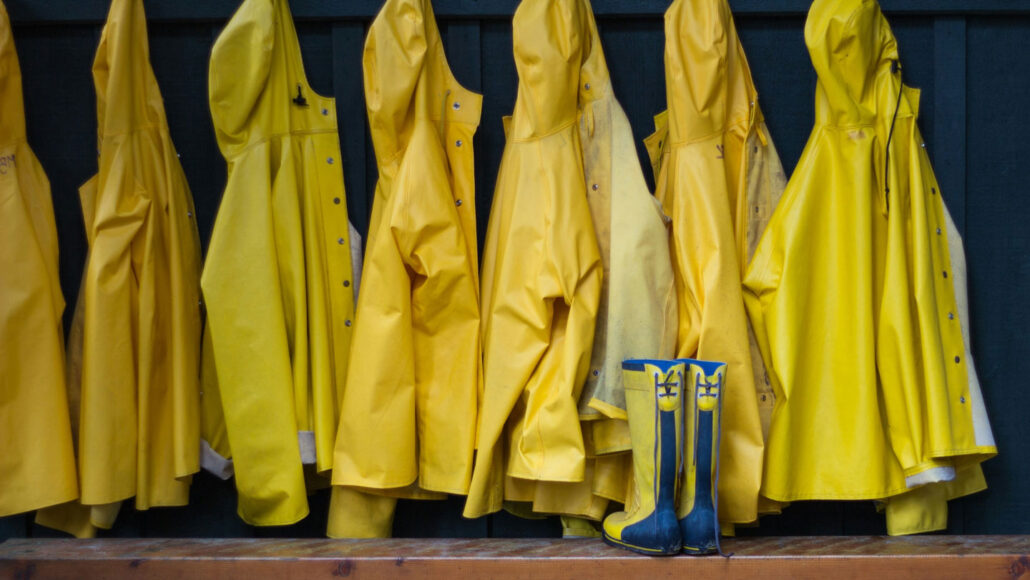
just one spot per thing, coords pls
(673, 407)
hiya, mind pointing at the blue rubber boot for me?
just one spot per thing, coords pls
(698, 513)
(654, 407)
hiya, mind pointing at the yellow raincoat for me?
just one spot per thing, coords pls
(140, 296)
(718, 174)
(409, 409)
(36, 455)
(851, 292)
(278, 282)
(570, 203)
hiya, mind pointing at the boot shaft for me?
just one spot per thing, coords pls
(697, 507)
(654, 406)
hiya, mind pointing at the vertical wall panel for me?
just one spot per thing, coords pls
(348, 45)
(179, 55)
(60, 112)
(998, 250)
(634, 49)
(784, 80)
(949, 148)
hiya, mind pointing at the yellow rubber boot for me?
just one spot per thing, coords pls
(698, 502)
(654, 407)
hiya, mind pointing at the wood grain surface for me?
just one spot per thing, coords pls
(785, 557)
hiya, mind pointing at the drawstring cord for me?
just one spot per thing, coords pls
(895, 68)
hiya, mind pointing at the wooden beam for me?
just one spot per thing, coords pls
(95, 11)
(835, 557)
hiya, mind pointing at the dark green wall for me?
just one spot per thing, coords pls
(970, 57)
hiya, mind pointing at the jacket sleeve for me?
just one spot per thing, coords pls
(107, 432)
(416, 346)
(250, 306)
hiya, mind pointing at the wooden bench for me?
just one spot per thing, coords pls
(833, 557)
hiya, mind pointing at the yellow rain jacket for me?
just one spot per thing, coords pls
(409, 410)
(570, 203)
(36, 455)
(140, 296)
(718, 174)
(278, 282)
(852, 296)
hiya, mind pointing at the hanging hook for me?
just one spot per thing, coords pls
(299, 100)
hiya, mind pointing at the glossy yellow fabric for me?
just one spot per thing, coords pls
(719, 176)
(140, 296)
(36, 455)
(409, 410)
(278, 281)
(851, 292)
(570, 203)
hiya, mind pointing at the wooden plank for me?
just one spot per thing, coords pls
(796, 557)
(949, 150)
(23, 11)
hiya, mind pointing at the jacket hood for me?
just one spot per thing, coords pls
(407, 77)
(851, 46)
(128, 98)
(707, 75)
(12, 121)
(560, 64)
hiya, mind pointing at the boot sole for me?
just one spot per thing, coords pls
(638, 549)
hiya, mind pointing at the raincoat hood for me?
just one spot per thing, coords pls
(707, 75)
(555, 77)
(128, 97)
(407, 78)
(851, 46)
(12, 122)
